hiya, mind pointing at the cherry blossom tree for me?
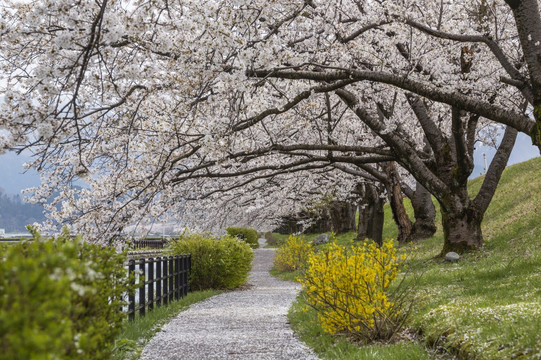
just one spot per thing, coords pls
(160, 106)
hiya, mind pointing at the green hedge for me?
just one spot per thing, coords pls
(249, 235)
(60, 299)
(217, 263)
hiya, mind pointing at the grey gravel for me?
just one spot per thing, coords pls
(243, 324)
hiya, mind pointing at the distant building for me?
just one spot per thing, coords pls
(2, 232)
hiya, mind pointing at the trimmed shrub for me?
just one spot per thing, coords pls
(60, 299)
(351, 291)
(217, 263)
(249, 235)
(293, 255)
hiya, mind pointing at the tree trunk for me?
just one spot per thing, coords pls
(370, 213)
(342, 216)
(445, 168)
(528, 23)
(375, 230)
(394, 192)
(338, 217)
(322, 224)
(425, 214)
(462, 230)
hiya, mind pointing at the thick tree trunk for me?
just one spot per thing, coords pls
(342, 216)
(320, 225)
(424, 226)
(339, 218)
(371, 213)
(462, 217)
(396, 200)
(462, 231)
(375, 230)
(445, 168)
(288, 225)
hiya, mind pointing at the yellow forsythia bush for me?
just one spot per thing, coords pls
(293, 255)
(349, 288)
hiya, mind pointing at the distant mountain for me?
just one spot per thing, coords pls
(16, 214)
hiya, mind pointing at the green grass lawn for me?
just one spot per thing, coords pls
(486, 306)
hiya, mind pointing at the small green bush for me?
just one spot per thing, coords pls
(217, 263)
(60, 299)
(249, 235)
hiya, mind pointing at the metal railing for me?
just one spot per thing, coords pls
(149, 243)
(158, 281)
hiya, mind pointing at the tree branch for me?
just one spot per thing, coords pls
(490, 111)
(404, 153)
(497, 165)
(296, 100)
(432, 132)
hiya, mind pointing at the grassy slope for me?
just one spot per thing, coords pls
(486, 306)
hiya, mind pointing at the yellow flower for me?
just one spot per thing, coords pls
(348, 287)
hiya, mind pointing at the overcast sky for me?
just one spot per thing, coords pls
(523, 150)
(13, 179)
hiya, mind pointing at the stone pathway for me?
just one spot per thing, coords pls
(247, 324)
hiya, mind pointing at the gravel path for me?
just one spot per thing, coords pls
(247, 324)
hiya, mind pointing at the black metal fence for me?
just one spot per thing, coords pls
(149, 243)
(158, 281)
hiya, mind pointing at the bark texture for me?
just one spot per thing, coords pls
(371, 213)
(342, 216)
(424, 226)
(528, 22)
(462, 230)
(462, 217)
(396, 200)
